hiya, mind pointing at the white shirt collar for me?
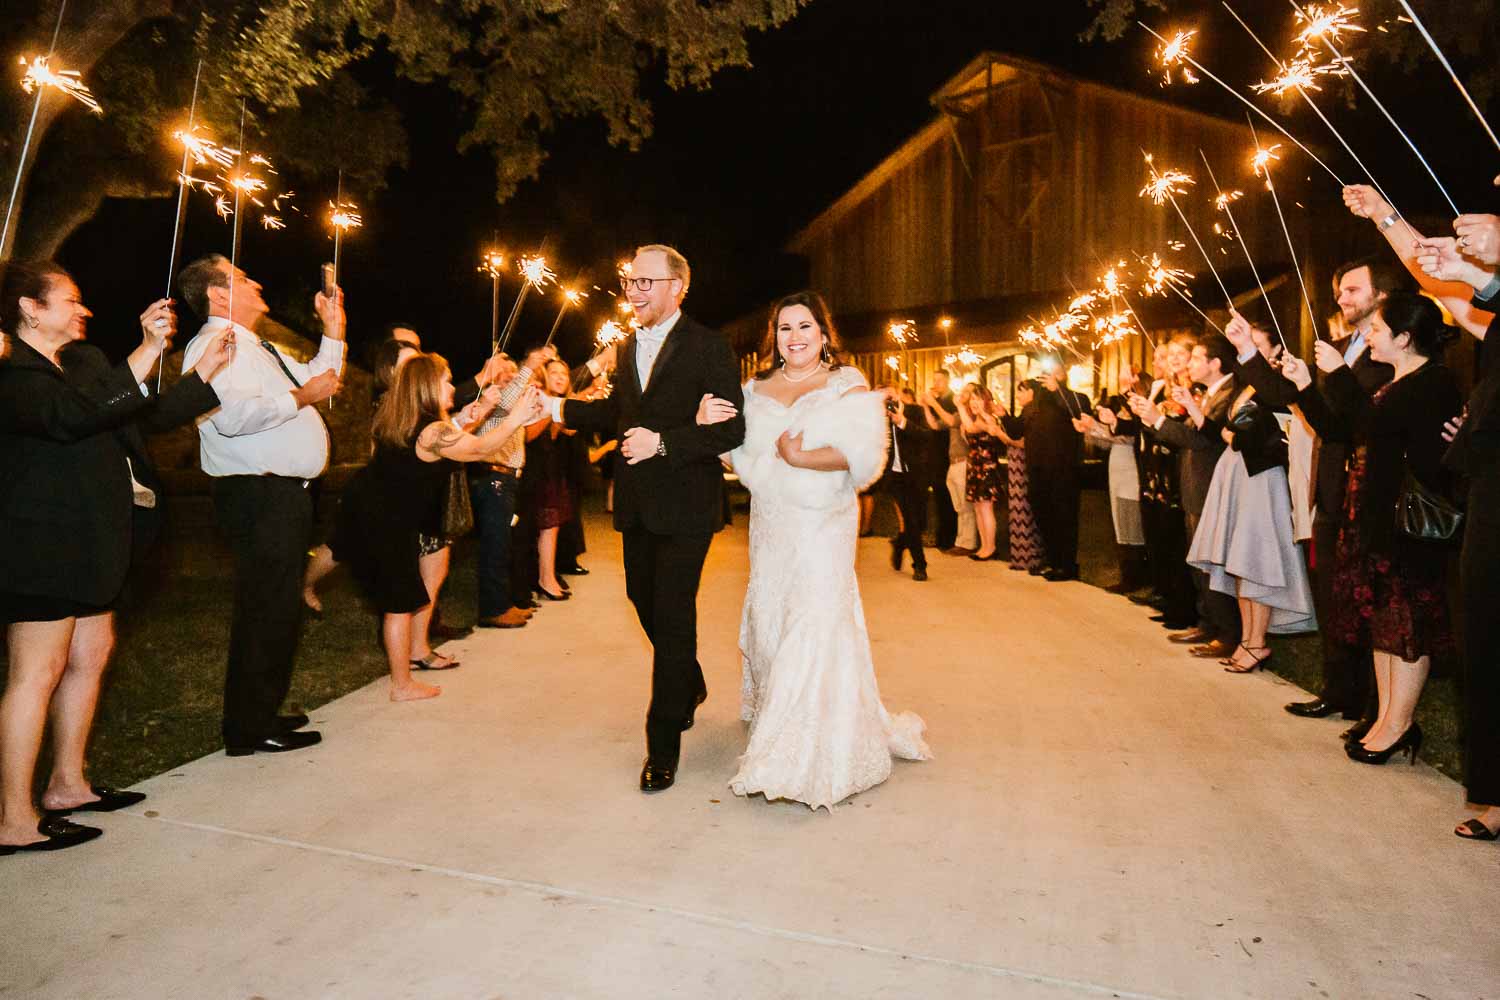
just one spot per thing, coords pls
(217, 323)
(1215, 387)
(660, 330)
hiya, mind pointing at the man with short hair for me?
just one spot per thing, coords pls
(669, 485)
(263, 445)
(1054, 462)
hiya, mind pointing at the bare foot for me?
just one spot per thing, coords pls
(414, 691)
(310, 598)
(68, 798)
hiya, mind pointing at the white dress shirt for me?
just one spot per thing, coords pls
(1355, 349)
(648, 344)
(258, 429)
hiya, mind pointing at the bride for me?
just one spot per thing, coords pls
(815, 435)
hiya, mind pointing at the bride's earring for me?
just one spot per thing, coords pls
(826, 354)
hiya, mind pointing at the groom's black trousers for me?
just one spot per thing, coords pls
(661, 579)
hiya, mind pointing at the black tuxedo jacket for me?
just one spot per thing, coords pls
(683, 492)
(65, 497)
(1331, 451)
(1052, 445)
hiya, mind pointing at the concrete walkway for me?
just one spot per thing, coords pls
(1105, 817)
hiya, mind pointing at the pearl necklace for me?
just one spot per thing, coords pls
(801, 378)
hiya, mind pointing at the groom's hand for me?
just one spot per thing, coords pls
(639, 445)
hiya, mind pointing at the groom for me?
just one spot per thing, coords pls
(669, 487)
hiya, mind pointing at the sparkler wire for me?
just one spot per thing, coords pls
(1246, 248)
(1291, 249)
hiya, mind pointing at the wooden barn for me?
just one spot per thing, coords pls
(1023, 189)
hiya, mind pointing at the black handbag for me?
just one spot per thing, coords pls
(1425, 515)
(458, 509)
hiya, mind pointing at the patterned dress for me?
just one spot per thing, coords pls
(983, 484)
(1025, 537)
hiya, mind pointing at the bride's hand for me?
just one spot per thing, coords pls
(789, 447)
(713, 410)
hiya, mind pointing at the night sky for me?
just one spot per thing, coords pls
(730, 174)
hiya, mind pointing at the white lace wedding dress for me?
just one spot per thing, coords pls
(818, 732)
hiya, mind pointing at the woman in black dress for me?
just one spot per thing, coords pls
(76, 473)
(985, 483)
(549, 468)
(398, 497)
(1390, 589)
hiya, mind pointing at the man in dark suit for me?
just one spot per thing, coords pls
(910, 471)
(1361, 287)
(669, 486)
(1212, 365)
(1054, 457)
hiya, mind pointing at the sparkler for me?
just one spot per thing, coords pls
(1165, 185)
(237, 182)
(1451, 75)
(1300, 75)
(1161, 279)
(194, 147)
(492, 262)
(36, 80)
(39, 75)
(570, 297)
(609, 333)
(1261, 164)
(1326, 26)
(1110, 284)
(904, 334)
(1223, 202)
(1183, 54)
(1174, 57)
(537, 274)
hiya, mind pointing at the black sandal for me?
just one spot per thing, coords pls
(60, 834)
(109, 800)
(426, 663)
(1476, 830)
(1231, 667)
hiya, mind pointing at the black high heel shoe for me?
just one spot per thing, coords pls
(1231, 667)
(1410, 741)
(548, 595)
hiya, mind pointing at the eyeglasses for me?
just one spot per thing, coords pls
(641, 284)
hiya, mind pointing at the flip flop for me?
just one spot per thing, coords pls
(429, 662)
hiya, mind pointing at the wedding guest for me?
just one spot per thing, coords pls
(78, 499)
(1389, 588)
(1200, 442)
(1116, 428)
(1054, 458)
(548, 462)
(909, 476)
(981, 429)
(942, 415)
(262, 447)
(940, 445)
(1243, 541)
(1025, 537)
(1476, 454)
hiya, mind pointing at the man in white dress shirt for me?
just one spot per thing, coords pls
(262, 446)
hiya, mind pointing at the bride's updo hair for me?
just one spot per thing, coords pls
(832, 349)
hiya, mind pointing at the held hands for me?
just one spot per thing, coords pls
(1326, 356)
(639, 445)
(330, 310)
(1296, 372)
(321, 386)
(1365, 202)
(713, 410)
(159, 325)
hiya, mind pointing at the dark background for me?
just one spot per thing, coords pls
(730, 174)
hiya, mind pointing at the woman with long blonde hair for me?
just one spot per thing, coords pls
(399, 496)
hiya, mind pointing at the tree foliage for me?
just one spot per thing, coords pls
(317, 78)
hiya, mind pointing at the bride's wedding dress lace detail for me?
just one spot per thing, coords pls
(819, 732)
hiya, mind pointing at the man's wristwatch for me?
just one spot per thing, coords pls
(661, 447)
(1389, 221)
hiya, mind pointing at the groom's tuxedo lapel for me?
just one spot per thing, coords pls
(669, 348)
(627, 364)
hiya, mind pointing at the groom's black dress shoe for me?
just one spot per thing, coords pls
(281, 743)
(658, 775)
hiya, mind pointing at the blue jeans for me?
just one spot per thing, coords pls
(494, 496)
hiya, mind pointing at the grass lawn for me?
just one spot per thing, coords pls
(164, 690)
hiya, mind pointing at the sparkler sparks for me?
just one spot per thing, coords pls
(1262, 160)
(903, 332)
(1225, 198)
(535, 271)
(344, 216)
(1173, 56)
(40, 74)
(204, 150)
(609, 333)
(1299, 74)
(965, 359)
(491, 262)
(1325, 23)
(1160, 278)
(1164, 184)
